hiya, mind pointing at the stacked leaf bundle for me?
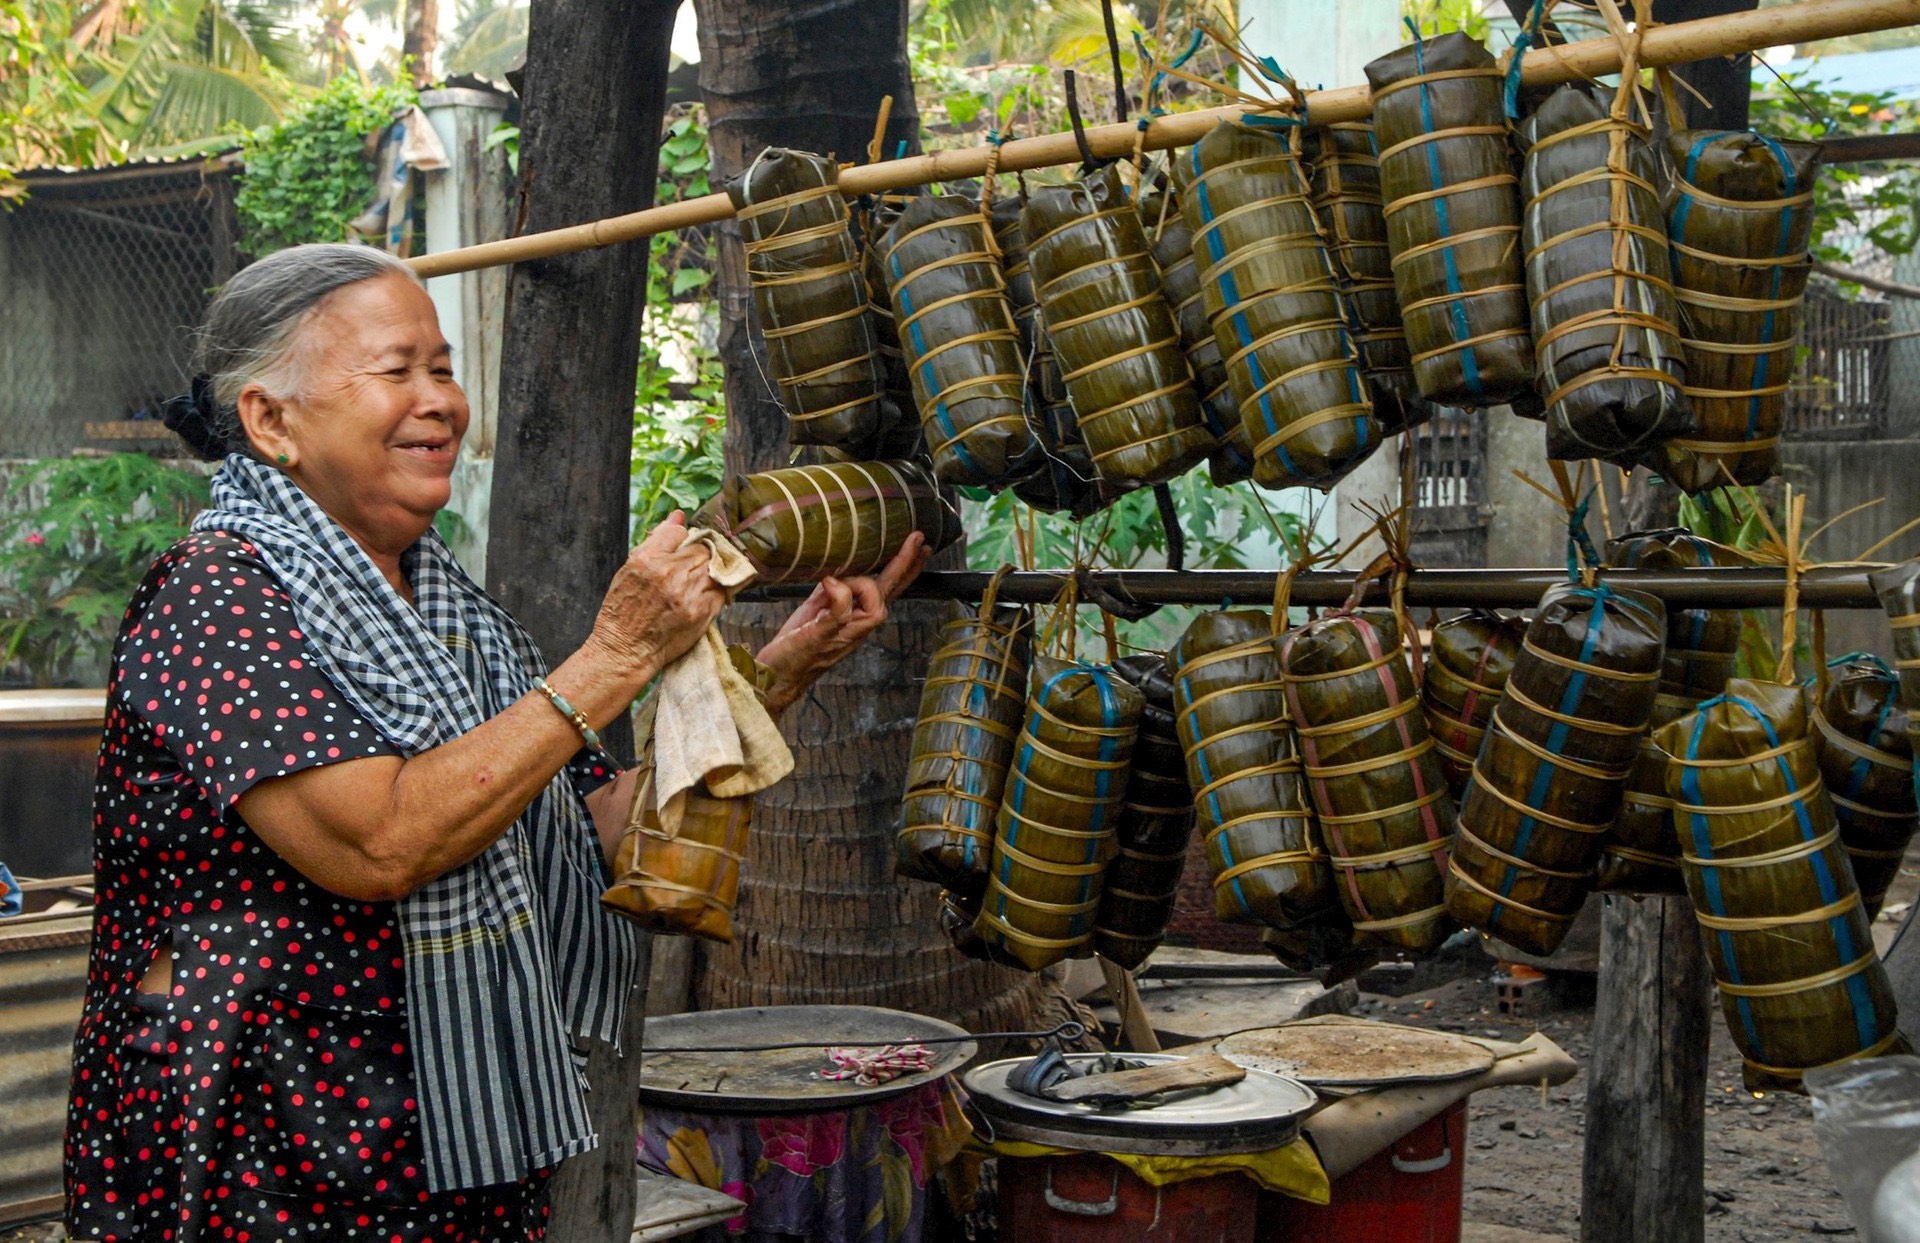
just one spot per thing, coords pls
(1642, 851)
(1600, 281)
(1156, 819)
(1172, 242)
(900, 435)
(845, 518)
(1378, 792)
(1740, 225)
(963, 349)
(1453, 220)
(1468, 663)
(810, 297)
(1549, 777)
(1113, 334)
(1055, 833)
(1345, 162)
(1785, 930)
(1866, 760)
(1249, 787)
(1898, 589)
(970, 713)
(1275, 309)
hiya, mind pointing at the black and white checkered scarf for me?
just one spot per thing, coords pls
(506, 954)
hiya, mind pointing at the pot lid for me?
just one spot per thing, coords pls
(1341, 1053)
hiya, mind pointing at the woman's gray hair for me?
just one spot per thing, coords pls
(253, 327)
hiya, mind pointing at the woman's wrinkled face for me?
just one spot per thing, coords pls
(374, 429)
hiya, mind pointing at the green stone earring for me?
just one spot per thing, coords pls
(283, 459)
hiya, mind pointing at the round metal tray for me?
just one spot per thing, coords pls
(783, 1080)
(1260, 1112)
(1342, 1054)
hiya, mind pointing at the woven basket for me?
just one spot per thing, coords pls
(809, 297)
(1344, 161)
(1055, 834)
(1600, 282)
(1243, 763)
(1800, 983)
(1382, 802)
(1113, 333)
(804, 523)
(1866, 759)
(1453, 220)
(971, 707)
(1171, 241)
(962, 346)
(1156, 819)
(1740, 224)
(1275, 308)
(1549, 778)
(1468, 661)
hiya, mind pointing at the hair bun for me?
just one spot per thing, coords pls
(191, 416)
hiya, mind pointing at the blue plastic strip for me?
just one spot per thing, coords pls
(1214, 809)
(941, 414)
(1456, 309)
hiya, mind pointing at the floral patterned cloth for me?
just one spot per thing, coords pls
(848, 1176)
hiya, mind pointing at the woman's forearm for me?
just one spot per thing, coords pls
(378, 829)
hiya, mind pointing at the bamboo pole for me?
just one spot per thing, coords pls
(1677, 44)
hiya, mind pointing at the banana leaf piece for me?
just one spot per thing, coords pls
(803, 523)
(1055, 834)
(1156, 819)
(1345, 163)
(1275, 308)
(900, 435)
(971, 708)
(1549, 778)
(1381, 799)
(1113, 333)
(1172, 243)
(1249, 788)
(1600, 283)
(962, 346)
(1453, 220)
(1785, 930)
(1866, 760)
(809, 297)
(1740, 223)
(1468, 661)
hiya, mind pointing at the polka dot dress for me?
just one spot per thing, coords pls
(270, 1095)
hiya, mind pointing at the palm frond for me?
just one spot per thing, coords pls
(494, 44)
(198, 100)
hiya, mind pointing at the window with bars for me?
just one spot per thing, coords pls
(1841, 387)
(1451, 513)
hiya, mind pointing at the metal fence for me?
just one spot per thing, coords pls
(106, 273)
(1450, 515)
(1842, 387)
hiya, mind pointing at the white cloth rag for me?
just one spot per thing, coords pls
(704, 723)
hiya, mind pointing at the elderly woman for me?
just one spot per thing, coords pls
(348, 933)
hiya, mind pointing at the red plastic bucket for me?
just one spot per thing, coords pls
(1411, 1193)
(1088, 1198)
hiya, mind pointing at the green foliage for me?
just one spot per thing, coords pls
(677, 459)
(307, 177)
(46, 113)
(1879, 201)
(487, 41)
(1732, 516)
(79, 537)
(1440, 17)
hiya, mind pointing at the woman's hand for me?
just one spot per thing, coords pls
(835, 620)
(659, 604)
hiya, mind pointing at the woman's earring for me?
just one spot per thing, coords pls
(283, 459)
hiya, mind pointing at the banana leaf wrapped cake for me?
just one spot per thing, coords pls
(1056, 830)
(971, 708)
(1172, 243)
(1156, 819)
(1468, 662)
(1113, 333)
(963, 349)
(899, 435)
(1740, 223)
(1866, 760)
(800, 523)
(1345, 162)
(1453, 220)
(1600, 283)
(1275, 309)
(1249, 787)
(1784, 927)
(1378, 792)
(809, 297)
(1548, 780)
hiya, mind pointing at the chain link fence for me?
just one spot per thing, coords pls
(106, 274)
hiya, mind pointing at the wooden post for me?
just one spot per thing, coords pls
(592, 102)
(1642, 1176)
